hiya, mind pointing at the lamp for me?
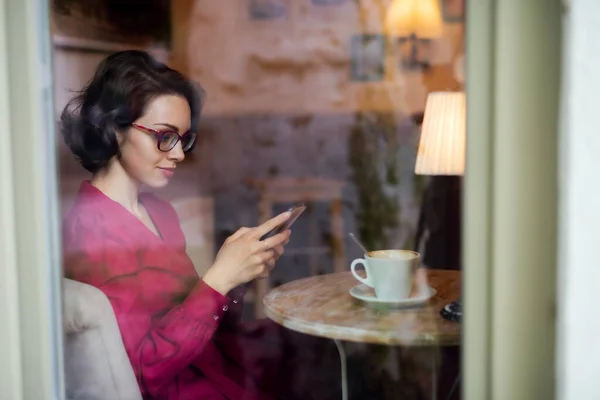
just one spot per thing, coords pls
(414, 21)
(442, 145)
(441, 154)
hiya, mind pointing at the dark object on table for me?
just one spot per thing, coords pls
(452, 311)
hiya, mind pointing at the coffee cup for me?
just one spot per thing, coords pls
(390, 273)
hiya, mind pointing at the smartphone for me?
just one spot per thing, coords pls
(296, 210)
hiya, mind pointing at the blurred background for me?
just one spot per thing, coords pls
(316, 101)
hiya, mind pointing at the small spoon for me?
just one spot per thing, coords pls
(358, 242)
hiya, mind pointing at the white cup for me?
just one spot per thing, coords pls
(390, 273)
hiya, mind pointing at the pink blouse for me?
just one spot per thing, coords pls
(173, 325)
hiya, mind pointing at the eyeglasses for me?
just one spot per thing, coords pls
(166, 140)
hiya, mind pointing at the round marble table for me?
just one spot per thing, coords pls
(322, 306)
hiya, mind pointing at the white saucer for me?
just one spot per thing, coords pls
(367, 294)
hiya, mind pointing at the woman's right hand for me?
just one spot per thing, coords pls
(244, 257)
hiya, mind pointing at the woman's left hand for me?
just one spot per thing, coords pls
(279, 250)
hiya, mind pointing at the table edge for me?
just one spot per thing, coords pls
(359, 335)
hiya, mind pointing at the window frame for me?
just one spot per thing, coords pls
(506, 319)
(30, 270)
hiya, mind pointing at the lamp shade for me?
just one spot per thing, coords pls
(442, 145)
(419, 17)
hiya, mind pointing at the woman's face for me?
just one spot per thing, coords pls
(140, 156)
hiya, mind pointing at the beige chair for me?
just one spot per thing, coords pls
(96, 364)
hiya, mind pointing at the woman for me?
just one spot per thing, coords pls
(130, 127)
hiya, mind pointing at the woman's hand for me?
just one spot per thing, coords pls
(278, 253)
(243, 257)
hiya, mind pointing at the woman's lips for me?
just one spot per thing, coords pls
(168, 172)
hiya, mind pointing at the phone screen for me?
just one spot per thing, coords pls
(296, 210)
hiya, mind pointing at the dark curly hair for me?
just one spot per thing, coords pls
(123, 85)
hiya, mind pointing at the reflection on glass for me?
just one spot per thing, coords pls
(301, 102)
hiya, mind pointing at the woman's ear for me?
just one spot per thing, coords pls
(121, 135)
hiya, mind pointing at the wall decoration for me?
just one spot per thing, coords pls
(268, 9)
(367, 59)
(415, 54)
(453, 10)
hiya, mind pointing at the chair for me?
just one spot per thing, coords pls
(96, 364)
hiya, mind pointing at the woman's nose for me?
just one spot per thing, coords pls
(176, 153)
